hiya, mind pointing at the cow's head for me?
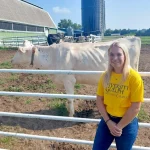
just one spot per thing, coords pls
(23, 56)
(27, 43)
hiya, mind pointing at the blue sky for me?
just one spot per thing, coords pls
(120, 14)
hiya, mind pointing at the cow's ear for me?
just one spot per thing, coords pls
(35, 50)
(21, 49)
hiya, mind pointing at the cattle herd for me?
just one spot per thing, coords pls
(57, 38)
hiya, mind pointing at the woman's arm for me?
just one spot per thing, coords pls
(130, 114)
(101, 107)
(114, 130)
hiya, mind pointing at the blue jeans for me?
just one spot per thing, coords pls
(104, 138)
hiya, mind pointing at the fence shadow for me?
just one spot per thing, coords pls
(43, 124)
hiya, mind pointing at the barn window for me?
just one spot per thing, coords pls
(40, 29)
(31, 28)
(5, 25)
(19, 27)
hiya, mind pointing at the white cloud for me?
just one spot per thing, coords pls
(61, 10)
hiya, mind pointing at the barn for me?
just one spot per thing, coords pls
(19, 18)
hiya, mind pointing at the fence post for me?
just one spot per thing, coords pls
(16, 41)
(3, 43)
(38, 40)
(32, 39)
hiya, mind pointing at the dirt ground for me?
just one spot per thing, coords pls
(83, 131)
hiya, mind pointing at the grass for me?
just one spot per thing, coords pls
(77, 86)
(59, 106)
(28, 101)
(144, 39)
(8, 48)
(6, 65)
(14, 89)
(7, 141)
(2, 82)
(43, 86)
(13, 77)
(30, 77)
(32, 87)
(50, 84)
(109, 38)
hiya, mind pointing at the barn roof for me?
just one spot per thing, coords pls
(24, 12)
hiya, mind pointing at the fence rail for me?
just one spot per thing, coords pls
(87, 97)
(49, 117)
(73, 141)
(68, 72)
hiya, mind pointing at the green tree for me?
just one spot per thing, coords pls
(108, 32)
(116, 31)
(124, 31)
(76, 26)
(64, 23)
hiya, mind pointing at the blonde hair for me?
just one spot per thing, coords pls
(126, 65)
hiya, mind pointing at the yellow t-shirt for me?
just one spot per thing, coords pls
(118, 97)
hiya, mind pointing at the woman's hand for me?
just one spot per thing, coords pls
(114, 130)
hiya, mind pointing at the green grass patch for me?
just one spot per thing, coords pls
(143, 116)
(30, 77)
(50, 84)
(28, 101)
(25, 35)
(41, 86)
(6, 65)
(144, 39)
(110, 38)
(7, 140)
(8, 48)
(59, 106)
(32, 87)
(77, 86)
(2, 82)
(14, 89)
(13, 77)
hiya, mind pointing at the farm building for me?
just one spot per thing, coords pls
(20, 18)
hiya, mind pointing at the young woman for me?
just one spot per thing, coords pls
(119, 96)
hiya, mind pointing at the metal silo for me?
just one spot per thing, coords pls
(93, 16)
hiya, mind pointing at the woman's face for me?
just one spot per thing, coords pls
(117, 58)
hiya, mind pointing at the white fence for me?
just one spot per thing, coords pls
(74, 141)
(18, 41)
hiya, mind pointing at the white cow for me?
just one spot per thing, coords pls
(75, 56)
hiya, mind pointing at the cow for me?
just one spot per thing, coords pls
(54, 38)
(69, 39)
(75, 56)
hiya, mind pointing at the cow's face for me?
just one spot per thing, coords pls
(27, 43)
(22, 56)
